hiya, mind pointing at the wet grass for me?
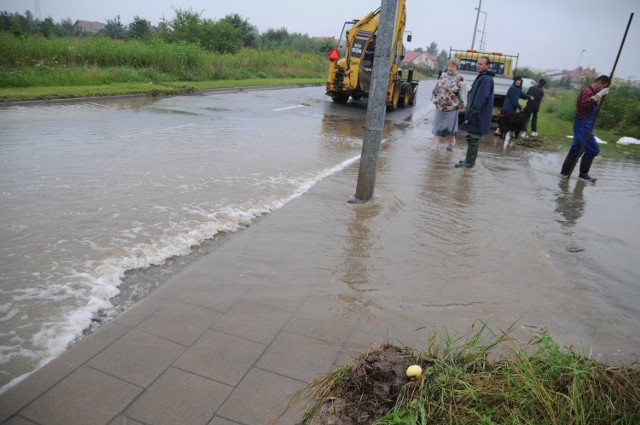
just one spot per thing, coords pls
(487, 378)
(554, 135)
(37, 61)
(555, 124)
(36, 68)
(167, 88)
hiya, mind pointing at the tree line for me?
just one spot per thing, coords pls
(227, 35)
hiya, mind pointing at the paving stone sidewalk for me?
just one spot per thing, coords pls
(220, 344)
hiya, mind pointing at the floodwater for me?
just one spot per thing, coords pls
(116, 194)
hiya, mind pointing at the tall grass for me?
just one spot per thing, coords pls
(45, 76)
(560, 103)
(250, 63)
(620, 112)
(486, 378)
(37, 52)
(37, 61)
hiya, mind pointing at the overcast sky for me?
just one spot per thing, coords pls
(547, 34)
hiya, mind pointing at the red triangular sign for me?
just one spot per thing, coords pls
(334, 54)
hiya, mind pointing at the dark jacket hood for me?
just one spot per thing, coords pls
(490, 72)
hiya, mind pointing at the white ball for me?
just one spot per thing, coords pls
(414, 372)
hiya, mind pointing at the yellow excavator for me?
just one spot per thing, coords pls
(351, 62)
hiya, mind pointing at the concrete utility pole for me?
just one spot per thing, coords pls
(377, 105)
(580, 58)
(483, 44)
(475, 30)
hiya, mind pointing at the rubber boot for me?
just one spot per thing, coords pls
(585, 166)
(473, 142)
(507, 139)
(568, 163)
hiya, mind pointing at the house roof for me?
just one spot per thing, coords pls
(411, 56)
(323, 39)
(89, 26)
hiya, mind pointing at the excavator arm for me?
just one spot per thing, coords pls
(352, 61)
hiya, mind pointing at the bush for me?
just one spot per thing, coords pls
(621, 111)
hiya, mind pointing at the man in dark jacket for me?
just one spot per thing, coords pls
(477, 120)
(533, 106)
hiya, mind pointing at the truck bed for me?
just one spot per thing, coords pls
(501, 85)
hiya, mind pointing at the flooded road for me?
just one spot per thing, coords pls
(103, 195)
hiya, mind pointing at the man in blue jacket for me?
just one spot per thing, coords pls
(477, 120)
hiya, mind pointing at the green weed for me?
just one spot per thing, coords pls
(491, 378)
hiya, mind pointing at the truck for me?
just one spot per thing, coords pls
(503, 65)
(351, 62)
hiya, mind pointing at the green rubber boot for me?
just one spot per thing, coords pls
(473, 144)
(568, 164)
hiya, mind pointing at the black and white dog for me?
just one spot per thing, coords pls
(514, 123)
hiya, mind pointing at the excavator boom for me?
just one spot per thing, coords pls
(351, 62)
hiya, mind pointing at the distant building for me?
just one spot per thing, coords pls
(89, 26)
(578, 74)
(331, 40)
(421, 58)
(553, 74)
(574, 76)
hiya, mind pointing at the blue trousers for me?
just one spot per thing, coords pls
(581, 128)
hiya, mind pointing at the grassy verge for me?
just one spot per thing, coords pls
(554, 129)
(553, 132)
(18, 94)
(480, 378)
(36, 68)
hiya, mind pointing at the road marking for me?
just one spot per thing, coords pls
(153, 130)
(97, 104)
(288, 107)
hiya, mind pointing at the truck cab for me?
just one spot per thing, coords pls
(503, 65)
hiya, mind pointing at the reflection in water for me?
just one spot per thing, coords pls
(441, 185)
(348, 121)
(462, 190)
(356, 269)
(447, 196)
(446, 219)
(343, 128)
(570, 204)
(340, 135)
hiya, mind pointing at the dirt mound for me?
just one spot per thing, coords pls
(372, 388)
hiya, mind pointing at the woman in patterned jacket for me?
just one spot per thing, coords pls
(449, 96)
